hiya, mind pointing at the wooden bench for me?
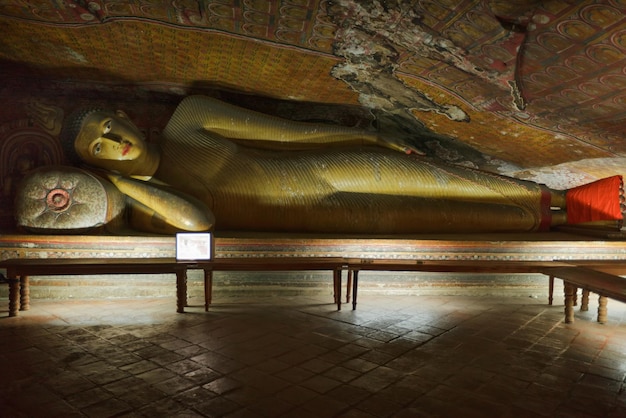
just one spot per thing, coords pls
(355, 265)
(591, 275)
(601, 277)
(19, 270)
(334, 264)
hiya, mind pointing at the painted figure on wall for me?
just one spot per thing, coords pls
(218, 166)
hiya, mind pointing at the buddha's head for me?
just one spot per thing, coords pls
(108, 140)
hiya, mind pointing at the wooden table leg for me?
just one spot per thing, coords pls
(602, 310)
(584, 301)
(14, 291)
(568, 289)
(349, 286)
(208, 288)
(24, 293)
(550, 289)
(337, 281)
(355, 287)
(181, 290)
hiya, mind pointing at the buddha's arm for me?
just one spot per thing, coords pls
(268, 131)
(155, 206)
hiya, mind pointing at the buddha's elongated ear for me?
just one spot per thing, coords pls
(122, 114)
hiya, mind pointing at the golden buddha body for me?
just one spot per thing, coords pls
(223, 167)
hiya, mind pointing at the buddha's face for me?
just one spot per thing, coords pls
(106, 136)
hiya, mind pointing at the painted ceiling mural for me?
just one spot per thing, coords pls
(534, 89)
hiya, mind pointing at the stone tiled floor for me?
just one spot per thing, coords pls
(396, 356)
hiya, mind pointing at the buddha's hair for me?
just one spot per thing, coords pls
(71, 129)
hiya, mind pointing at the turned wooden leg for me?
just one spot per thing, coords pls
(24, 293)
(550, 289)
(14, 291)
(584, 301)
(602, 310)
(568, 289)
(349, 286)
(355, 287)
(208, 288)
(575, 295)
(181, 290)
(337, 281)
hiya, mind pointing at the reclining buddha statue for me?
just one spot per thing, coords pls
(218, 166)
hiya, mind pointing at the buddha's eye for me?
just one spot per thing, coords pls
(107, 127)
(97, 148)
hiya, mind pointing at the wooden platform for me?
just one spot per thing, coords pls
(553, 246)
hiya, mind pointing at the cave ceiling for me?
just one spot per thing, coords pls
(534, 89)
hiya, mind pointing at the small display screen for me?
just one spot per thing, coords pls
(194, 246)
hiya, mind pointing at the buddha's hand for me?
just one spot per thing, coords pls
(46, 116)
(398, 144)
(113, 177)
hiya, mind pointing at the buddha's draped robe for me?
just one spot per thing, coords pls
(364, 189)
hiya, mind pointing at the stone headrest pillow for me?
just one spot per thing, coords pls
(59, 199)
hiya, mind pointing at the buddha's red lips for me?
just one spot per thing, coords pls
(126, 149)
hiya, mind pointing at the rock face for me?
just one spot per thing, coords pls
(374, 37)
